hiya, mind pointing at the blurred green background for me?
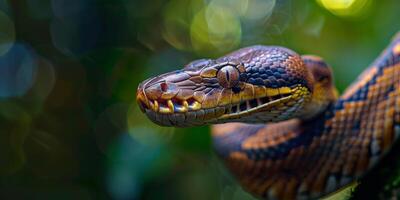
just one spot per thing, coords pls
(69, 124)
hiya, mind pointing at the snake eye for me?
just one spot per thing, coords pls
(228, 76)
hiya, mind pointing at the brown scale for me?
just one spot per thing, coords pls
(350, 140)
(342, 151)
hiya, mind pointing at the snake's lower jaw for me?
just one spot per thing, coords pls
(260, 107)
(190, 113)
(171, 112)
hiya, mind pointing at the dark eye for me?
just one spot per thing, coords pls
(228, 76)
(323, 78)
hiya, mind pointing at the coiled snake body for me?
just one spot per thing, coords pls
(288, 136)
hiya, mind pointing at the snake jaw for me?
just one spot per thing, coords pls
(250, 110)
(165, 105)
(196, 109)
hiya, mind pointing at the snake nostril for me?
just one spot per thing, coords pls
(164, 87)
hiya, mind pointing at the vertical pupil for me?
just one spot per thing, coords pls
(227, 75)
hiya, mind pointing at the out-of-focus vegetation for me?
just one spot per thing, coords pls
(69, 124)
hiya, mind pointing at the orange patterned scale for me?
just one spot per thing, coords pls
(323, 155)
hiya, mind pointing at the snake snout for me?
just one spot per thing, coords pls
(161, 90)
(151, 95)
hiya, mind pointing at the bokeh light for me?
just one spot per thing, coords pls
(176, 28)
(17, 71)
(259, 9)
(110, 124)
(17, 122)
(75, 28)
(5, 7)
(129, 163)
(39, 9)
(215, 29)
(214, 26)
(45, 79)
(7, 33)
(352, 8)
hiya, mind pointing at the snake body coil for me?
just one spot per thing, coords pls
(313, 143)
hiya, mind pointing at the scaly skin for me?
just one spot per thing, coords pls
(318, 145)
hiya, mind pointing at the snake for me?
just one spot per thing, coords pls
(278, 122)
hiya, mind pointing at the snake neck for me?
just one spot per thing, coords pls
(337, 142)
(319, 102)
(323, 92)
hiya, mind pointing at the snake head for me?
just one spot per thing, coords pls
(254, 85)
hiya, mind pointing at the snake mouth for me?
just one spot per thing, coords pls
(189, 112)
(170, 106)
